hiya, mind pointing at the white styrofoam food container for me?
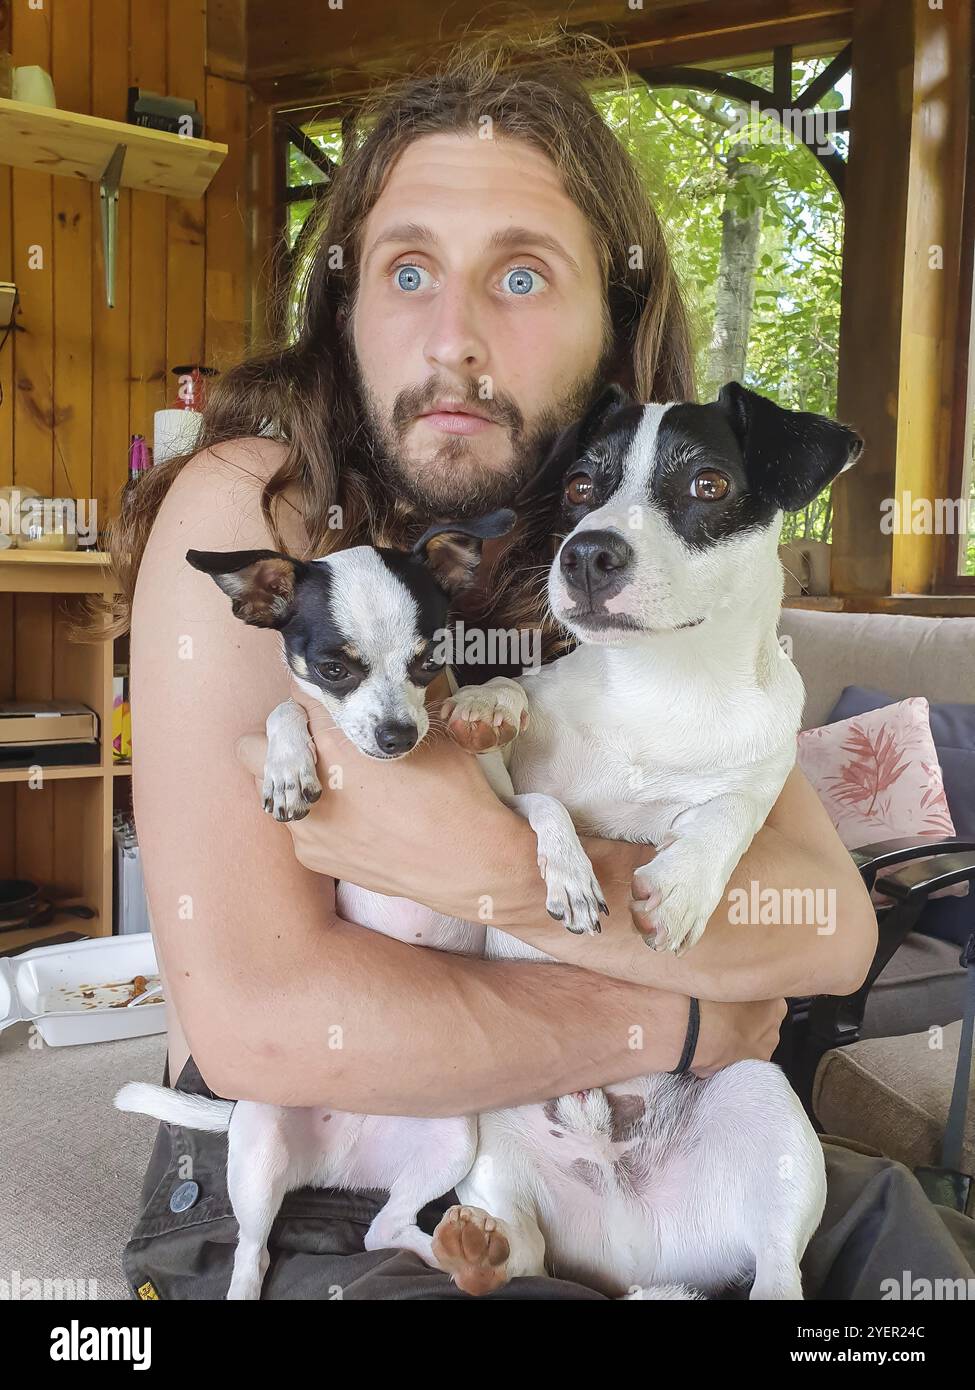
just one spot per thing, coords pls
(36, 987)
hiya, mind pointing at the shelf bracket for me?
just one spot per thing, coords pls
(108, 190)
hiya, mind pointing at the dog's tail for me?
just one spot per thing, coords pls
(195, 1112)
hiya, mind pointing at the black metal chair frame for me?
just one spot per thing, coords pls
(817, 1025)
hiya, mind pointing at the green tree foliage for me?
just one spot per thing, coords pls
(700, 159)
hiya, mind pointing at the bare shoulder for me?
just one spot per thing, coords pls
(191, 658)
(221, 488)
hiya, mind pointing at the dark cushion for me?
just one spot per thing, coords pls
(953, 731)
(922, 984)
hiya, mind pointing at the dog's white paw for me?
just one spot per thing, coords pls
(482, 717)
(291, 785)
(574, 895)
(672, 901)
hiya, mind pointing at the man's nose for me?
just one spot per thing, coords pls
(591, 563)
(395, 738)
(454, 341)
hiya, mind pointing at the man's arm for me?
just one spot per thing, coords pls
(280, 1000)
(815, 931)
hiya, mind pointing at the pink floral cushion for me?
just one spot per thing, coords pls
(879, 777)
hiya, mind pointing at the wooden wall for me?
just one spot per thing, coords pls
(82, 378)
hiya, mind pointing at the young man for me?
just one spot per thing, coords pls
(485, 259)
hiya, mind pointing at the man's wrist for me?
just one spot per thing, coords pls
(690, 1038)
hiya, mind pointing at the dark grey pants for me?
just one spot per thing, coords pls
(878, 1225)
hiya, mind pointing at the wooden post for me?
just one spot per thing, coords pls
(901, 280)
(872, 296)
(932, 283)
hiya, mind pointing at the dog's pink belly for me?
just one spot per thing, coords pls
(408, 921)
(370, 1151)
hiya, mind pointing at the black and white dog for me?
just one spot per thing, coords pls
(673, 723)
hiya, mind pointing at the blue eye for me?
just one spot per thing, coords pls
(523, 281)
(408, 277)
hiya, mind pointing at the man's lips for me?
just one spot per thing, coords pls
(456, 421)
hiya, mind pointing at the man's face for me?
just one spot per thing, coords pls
(480, 291)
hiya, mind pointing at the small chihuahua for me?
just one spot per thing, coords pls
(672, 722)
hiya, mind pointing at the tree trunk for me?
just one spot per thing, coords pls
(735, 285)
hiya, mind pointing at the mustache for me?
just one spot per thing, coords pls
(415, 400)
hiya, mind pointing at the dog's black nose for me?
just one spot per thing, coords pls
(592, 561)
(396, 738)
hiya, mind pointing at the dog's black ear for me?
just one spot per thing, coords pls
(261, 583)
(790, 455)
(609, 400)
(452, 549)
(571, 442)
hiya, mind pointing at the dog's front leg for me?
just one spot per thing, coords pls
(574, 895)
(676, 893)
(291, 782)
(482, 717)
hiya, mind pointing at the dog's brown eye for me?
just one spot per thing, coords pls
(578, 490)
(333, 671)
(709, 486)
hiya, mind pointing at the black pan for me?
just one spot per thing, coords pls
(19, 897)
(23, 905)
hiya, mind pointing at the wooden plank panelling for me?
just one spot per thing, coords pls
(147, 255)
(6, 273)
(186, 218)
(71, 70)
(33, 271)
(110, 327)
(227, 227)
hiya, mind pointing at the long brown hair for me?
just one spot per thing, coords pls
(534, 89)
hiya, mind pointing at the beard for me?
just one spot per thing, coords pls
(454, 482)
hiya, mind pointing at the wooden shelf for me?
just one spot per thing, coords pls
(55, 572)
(60, 923)
(39, 556)
(59, 834)
(50, 774)
(80, 146)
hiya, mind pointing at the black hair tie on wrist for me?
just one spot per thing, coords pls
(690, 1041)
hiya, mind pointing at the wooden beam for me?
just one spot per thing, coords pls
(298, 53)
(872, 296)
